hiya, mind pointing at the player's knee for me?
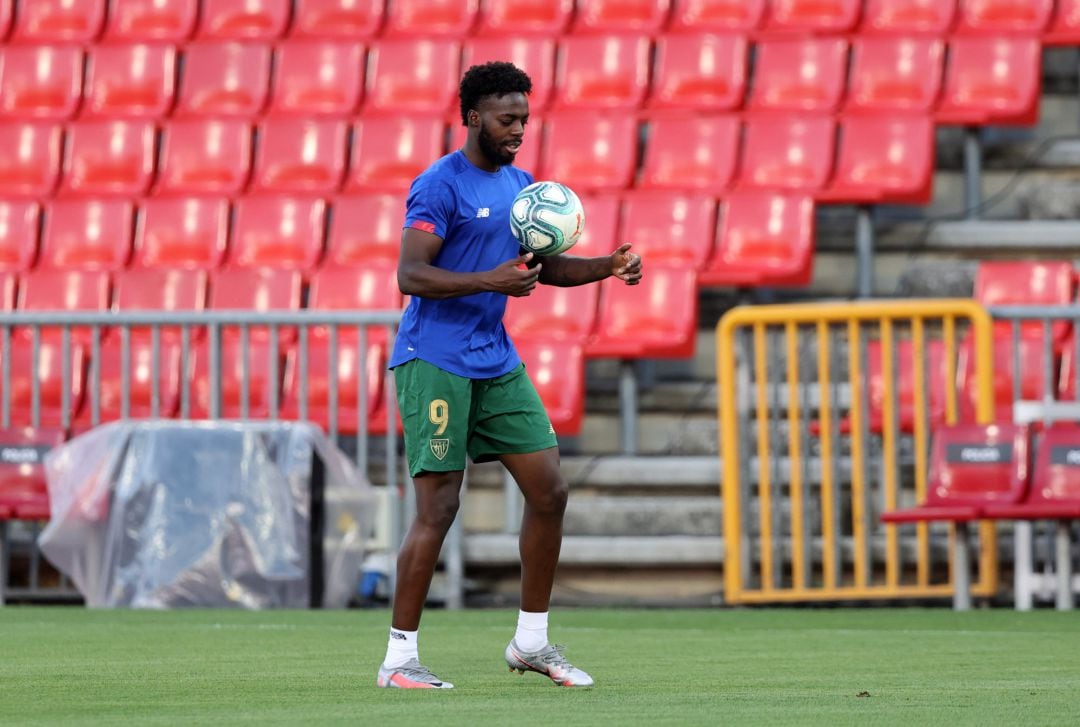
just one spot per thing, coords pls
(552, 499)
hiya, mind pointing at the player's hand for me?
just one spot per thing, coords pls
(626, 265)
(514, 277)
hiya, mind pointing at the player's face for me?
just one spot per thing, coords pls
(502, 126)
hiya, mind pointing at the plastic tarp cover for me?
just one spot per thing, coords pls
(167, 514)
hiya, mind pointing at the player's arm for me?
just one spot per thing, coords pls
(418, 276)
(566, 270)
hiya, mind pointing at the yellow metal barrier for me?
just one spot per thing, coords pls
(820, 457)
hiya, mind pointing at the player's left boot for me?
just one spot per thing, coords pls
(548, 661)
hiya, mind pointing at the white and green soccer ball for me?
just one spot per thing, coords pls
(547, 218)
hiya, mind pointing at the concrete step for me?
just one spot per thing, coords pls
(589, 550)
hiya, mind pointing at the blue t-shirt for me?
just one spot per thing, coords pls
(470, 210)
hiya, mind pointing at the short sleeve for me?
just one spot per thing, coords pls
(430, 205)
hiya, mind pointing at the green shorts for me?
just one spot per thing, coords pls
(446, 417)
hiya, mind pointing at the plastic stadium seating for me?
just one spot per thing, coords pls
(412, 77)
(691, 153)
(1034, 385)
(40, 82)
(9, 280)
(204, 156)
(934, 390)
(804, 74)
(602, 72)
(909, 17)
(588, 151)
(528, 156)
(430, 18)
(18, 234)
(812, 16)
(244, 19)
(717, 15)
(58, 21)
(257, 289)
(545, 18)
(655, 319)
(1026, 282)
(258, 358)
(792, 153)
(160, 289)
(7, 11)
(699, 72)
(87, 234)
(890, 74)
(141, 381)
(168, 21)
(1067, 378)
(300, 155)
(1065, 27)
(971, 466)
(51, 382)
(535, 56)
(601, 221)
(323, 78)
(277, 231)
(389, 152)
(557, 370)
(372, 287)
(344, 19)
(69, 290)
(621, 16)
(552, 312)
(224, 79)
(30, 166)
(1054, 493)
(669, 228)
(991, 80)
(129, 81)
(1004, 17)
(365, 228)
(24, 493)
(181, 232)
(764, 239)
(108, 158)
(348, 373)
(883, 159)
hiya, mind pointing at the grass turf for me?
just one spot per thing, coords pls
(661, 667)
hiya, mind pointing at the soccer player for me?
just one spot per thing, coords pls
(462, 389)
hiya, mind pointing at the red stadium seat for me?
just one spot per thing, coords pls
(30, 166)
(277, 232)
(694, 153)
(87, 234)
(813, 16)
(602, 72)
(1065, 27)
(257, 289)
(372, 287)
(160, 289)
(244, 19)
(224, 79)
(141, 383)
(40, 82)
(58, 21)
(105, 158)
(992, 81)
(365, 228)
(63, 290)
(167, 21)
(412, 77)
(18, 234)
(340, 19)
(788, 152)
(181, 232)
(895, 74)
(909, 17)
(589, 152)
(1054, 493)
(316, 385)
(204, 156)
(528, 155)
(9, 282)
(7, 12)
(742, 16)
(24, 493)
(601, 221)
(1004, 17)
(764, 239)
(934, 376)
(883, 159)
(546, 18)
(552, 312)
(430, 18)
(805, 74)
(557, 370)
(655, 319)
(318, 78)
(700, 72)
(262, 385)
(1034, 385)
(971, 466)
(535, 56)
(646, 17)
(1026, 282)
(49, 373)
(130, 81)
(1067, 378)
(669, 228)
(300, 155)
(389, 152)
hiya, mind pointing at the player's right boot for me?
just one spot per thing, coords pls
(410, 675)
(548, 661)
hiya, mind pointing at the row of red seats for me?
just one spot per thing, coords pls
(175, 20)
(960, 81)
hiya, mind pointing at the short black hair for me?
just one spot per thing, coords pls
(496, 78)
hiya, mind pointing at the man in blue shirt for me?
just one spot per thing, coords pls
(462, 388)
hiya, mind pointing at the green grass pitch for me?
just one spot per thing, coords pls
(657, 667)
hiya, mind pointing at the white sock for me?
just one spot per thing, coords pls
(400, 647)
(531, 634)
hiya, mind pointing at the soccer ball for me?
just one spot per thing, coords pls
(547, 218)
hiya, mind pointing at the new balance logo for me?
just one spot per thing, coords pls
(483, 212)
(397, 635)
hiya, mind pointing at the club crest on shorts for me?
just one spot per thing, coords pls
(439, 448)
